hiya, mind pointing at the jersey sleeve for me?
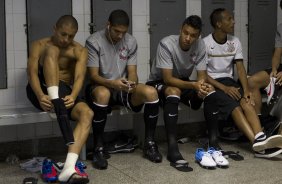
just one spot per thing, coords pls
(132, 55)
(202, 56)
(164, 58)
(239, 51)
(93, 52)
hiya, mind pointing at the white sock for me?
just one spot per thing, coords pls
(69, 167)
(259, 134)
(53, 92)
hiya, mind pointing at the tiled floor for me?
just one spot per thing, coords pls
(133, 168)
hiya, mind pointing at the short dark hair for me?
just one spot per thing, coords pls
(216, 16)
(194, 21)
(119, 17)
(67, 19)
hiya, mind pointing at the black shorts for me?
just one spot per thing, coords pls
(269, 70)
(226, 103)
(117, 98)
(64, 90)
(188, 96)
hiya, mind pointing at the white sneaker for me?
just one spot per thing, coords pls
(204, 158)
(270, 89)
(217, 156)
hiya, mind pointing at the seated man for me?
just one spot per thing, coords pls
(56, 69)
(269, 79)
(223, 50)
(177, 56)
(112, 67)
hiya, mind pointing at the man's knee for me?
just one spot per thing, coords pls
(86, 115)
(258, 80)
(52, 51)
(101, 95)
(172, 91)
(150, 93)
(82, 113)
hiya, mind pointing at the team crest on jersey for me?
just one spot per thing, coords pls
(193, 57)
(230, 47)
(123, 52)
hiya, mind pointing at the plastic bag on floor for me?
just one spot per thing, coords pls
(33, 165)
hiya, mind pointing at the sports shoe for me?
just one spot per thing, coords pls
(268, 153)
(217, 156)
(204, 158)
(271, 126)
(270, 88)
(79, 167)
(151, 152)
(48, 171)
(99, 161)
(270, 142)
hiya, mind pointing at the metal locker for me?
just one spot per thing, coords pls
(207, 7)
(101, 9)
(166, 17)
(3, 61)
(262, 28)
(42, 16)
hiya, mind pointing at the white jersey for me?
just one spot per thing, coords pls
(171, 56)
(221, 57)
(111, 59)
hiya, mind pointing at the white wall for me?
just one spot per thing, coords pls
(15, 95)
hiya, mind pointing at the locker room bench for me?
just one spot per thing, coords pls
(28, 115)
(119, 119)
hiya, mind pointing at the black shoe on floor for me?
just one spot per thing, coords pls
(151, 152)
(99, 161)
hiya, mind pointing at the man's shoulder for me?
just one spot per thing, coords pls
(129, 39)
(95, 37)
(170, 39)
(208, 37)
(232, 38)
(42, 41)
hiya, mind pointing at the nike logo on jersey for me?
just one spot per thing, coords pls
(214, 113)
(172, 115)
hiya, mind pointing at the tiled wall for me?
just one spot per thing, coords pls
(17, 47)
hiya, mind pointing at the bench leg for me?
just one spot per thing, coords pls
(83, 153)
(139, 128)
(35, 144)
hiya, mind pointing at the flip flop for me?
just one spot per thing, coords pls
(233, 155)
(75, 179)
(181, 165)
(30, 180)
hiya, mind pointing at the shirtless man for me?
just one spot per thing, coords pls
(56, 69)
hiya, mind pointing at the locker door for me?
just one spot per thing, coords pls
(42, 16)
(166, 17)
(3, 61)
(101, 9)
(262, 29)
(207, 7)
